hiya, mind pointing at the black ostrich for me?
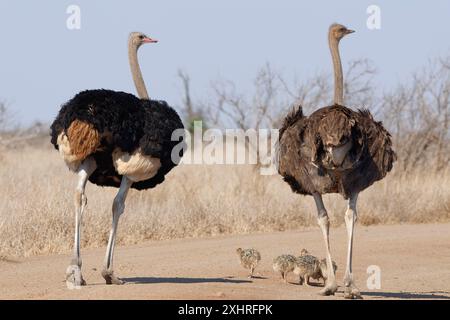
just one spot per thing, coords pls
(334, 150)
(115, 139)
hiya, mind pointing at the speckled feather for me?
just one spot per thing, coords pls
(284, 263)
(324, 269)
(307, 265)
(249, 258)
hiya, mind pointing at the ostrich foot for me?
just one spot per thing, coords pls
(307, 284)
(110, 278)
(352, 292)
(74, 279)
(328, 290)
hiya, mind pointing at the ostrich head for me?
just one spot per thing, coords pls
(338, 31)
(304, 252)
(239, 251)
(335, 131)
(138, 38)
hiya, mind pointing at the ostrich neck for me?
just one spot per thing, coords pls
(338, 77)
(136, 72)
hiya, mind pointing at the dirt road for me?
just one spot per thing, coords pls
(414, 261)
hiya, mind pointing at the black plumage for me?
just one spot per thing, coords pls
(126, 122)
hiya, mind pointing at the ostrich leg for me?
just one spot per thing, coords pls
(350, 291)
(117, 210)
(324, 223)
(74, 279)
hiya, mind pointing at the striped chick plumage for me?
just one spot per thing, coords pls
(284, 264)
(307, 266)
(249, 258)
(324, 269)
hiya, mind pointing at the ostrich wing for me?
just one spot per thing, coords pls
(378, 141)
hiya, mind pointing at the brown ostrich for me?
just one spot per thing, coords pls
(334, 150)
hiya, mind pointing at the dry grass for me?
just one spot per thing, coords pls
(36, 209)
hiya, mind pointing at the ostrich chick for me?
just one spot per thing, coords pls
(307, 266)
(249, 259)
(304, 252)
(324, 270)
(284, 264)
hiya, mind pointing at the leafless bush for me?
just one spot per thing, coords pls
(2, 114)
(14, 136)
(417, 114)
(4, 125)
(273, 95)
(317, 91)
(230, 108)
(191, 111)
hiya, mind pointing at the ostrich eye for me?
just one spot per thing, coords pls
(343, 140)
(141, 37)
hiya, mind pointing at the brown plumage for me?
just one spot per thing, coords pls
(83, 138)
(304, 161)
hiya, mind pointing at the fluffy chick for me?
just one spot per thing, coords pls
(324, 269)
(307, 266)
(249, 259)
(284, 264)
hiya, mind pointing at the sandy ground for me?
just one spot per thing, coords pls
(414, 262)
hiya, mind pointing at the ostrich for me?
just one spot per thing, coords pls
(284, 264)
(307, 266)
(115, 139)
(323, 269)
(249, 259)
(334, 150)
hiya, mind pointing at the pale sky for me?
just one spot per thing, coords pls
(43, 64)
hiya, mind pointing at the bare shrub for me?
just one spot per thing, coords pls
(418, 116)
(13, 136)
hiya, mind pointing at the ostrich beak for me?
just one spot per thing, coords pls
(149, 40)
(349, 31)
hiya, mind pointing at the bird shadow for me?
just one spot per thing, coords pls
(258, 277)
(7, 260)
(147, 280)
(311, 284)
(410, 295)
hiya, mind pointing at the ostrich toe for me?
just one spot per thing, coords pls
(328, 290)
(110, 278)
(74, 279)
